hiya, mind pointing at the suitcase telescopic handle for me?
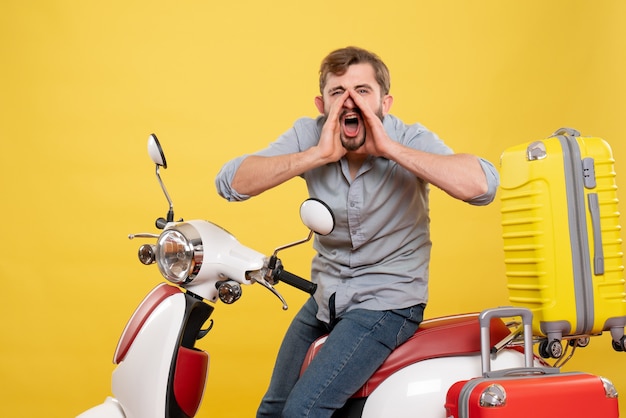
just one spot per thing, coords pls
(485, 318)
(566, 131)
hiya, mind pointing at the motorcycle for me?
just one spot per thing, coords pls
(161, 373)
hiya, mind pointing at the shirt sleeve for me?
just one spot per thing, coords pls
(224, 179)
(418, 137)
(302, 135)
(493, 181)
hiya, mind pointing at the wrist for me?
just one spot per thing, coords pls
(319, 156)
(390, 150)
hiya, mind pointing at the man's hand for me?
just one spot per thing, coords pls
(330, 146)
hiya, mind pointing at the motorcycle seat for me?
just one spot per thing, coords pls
(438, 337)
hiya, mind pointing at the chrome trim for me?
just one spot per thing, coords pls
(192, 235)
(493, 396)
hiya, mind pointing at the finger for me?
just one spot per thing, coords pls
(360, 102)
(337, 105)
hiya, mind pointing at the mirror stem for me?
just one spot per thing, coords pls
(170, 212)
(293, 244)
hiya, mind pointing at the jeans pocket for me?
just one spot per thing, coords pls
(413, 317)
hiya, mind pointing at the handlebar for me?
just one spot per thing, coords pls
(295, 281)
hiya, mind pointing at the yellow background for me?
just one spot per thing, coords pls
(83, 83)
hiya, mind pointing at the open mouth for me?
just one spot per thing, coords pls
(351, 124)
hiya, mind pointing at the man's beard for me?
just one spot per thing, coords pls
(353, 144)
(356, 142)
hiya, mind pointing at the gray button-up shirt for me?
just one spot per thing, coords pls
(377, 256)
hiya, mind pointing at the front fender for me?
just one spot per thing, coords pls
(110, 408)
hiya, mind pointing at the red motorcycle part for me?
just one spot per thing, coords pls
(189, 379)
(143, 311)
(438, 337)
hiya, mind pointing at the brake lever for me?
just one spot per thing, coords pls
(261, 280)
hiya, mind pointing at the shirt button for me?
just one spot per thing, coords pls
(352, 204)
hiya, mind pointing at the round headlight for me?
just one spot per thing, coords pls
(175, 256)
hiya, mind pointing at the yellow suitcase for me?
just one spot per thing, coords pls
(562, 244)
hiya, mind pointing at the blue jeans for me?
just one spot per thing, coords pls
(358, 343)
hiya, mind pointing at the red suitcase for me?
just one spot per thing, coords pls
(536, 392)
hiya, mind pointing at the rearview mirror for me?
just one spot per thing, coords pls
(317, 216)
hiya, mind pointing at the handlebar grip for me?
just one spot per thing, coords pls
(296, 281)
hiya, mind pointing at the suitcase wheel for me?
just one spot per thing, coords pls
(620, 345)
(580, 342)
(550, 349)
